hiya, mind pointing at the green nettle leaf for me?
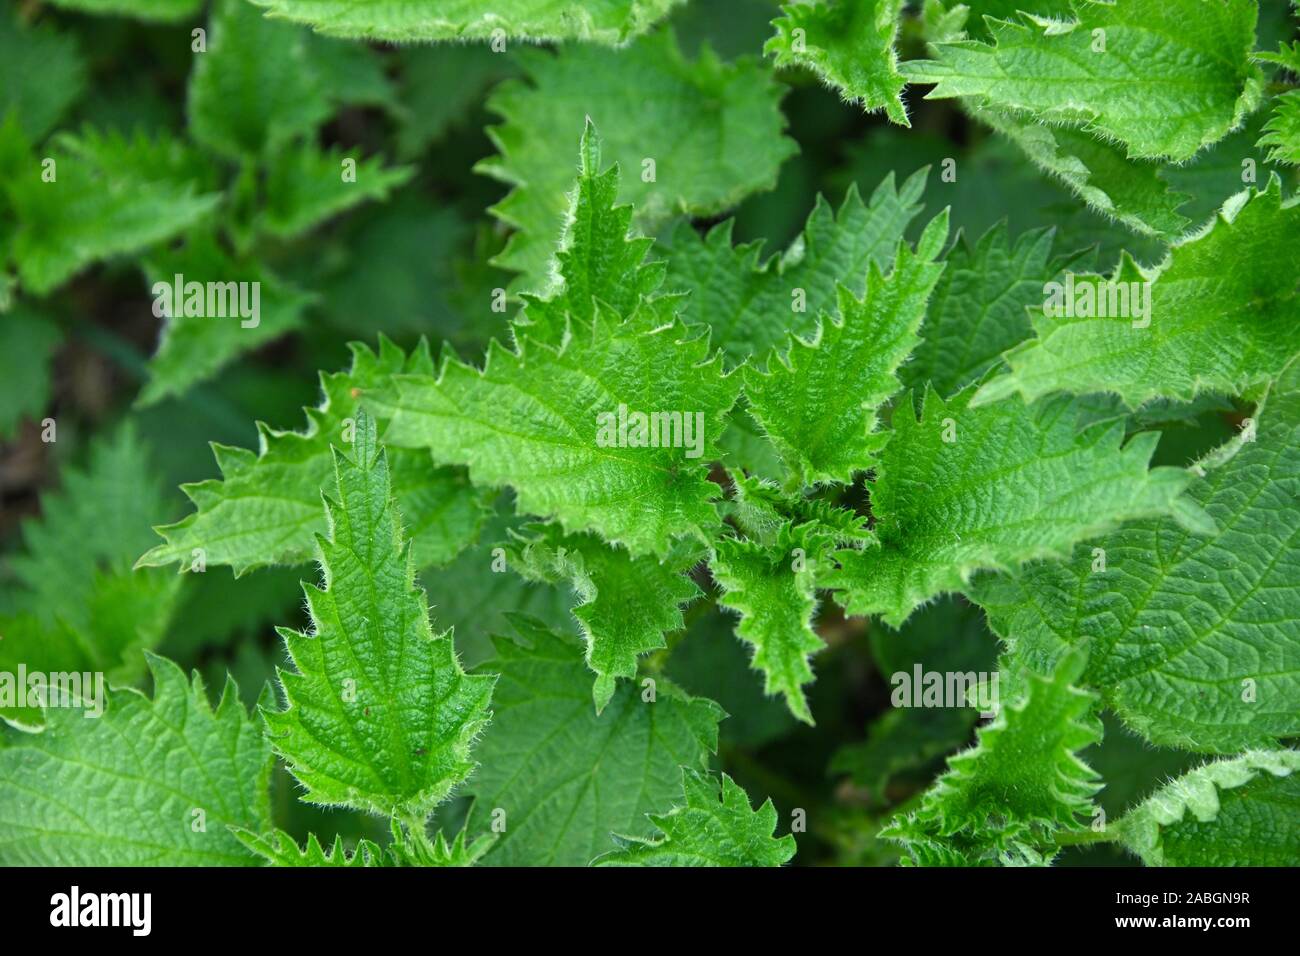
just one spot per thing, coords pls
(1132, 192)
(27, 343)
(280, 849)
(256, 88)
(978, 308)
(161, 10)
(1282, 131)
(825, 431)
(378, 715)
(609, 432)
(266, 507)
(95, 196)
(75, 604)
(1193, 637)
(1235, 812)
(1217, 316)
(750, 307)
(980, 14)
(772, 588)
(305, 185)
(37, 51)
(707, 831)
(1005, 798)
(625, 605)
(598, 258)
(602, 21)
(707, 135)
(198, 341)
(557, 779)
(150, 783)
(962, 489)
(763, 510)
(1138, 71)
(850, 45)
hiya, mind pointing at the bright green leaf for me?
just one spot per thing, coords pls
(378, 714)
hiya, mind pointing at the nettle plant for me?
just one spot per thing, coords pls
(883, 425)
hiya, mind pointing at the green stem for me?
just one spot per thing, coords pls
(1086, 837)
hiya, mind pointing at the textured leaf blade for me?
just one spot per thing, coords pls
(1217, 317)
(266, 507)
(128, 788)
(708, 829)
(1021, 782)
(750, 307)
(722, 120)
(535, 420)
(602, 21)
(1240, 811)
(378, 714)
(1193, 637)
(1132, 192)
(1006, 486)
(563, 778)
(850, 45)
(772, 589)
(824, 431)
(625, 605)
(1159, 83)
(979, 308)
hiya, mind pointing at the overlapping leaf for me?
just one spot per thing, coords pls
(819, 405)
(625, 605)
(603, 21)
(711, 129)
(149, 783)
(555, 424)
(1137, 71)
(772, 589)
(557, 779)
(378, 714)
(962, 488)
(1235, 812)
(751, 306)
(850, 45)
(1002, 800)
(266, 507)
(707, 831)
(1215, 317)
(979, 307)
(1194, 638)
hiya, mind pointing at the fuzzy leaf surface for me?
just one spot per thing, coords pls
(565, 777)
(123, 790)
(707, 829)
